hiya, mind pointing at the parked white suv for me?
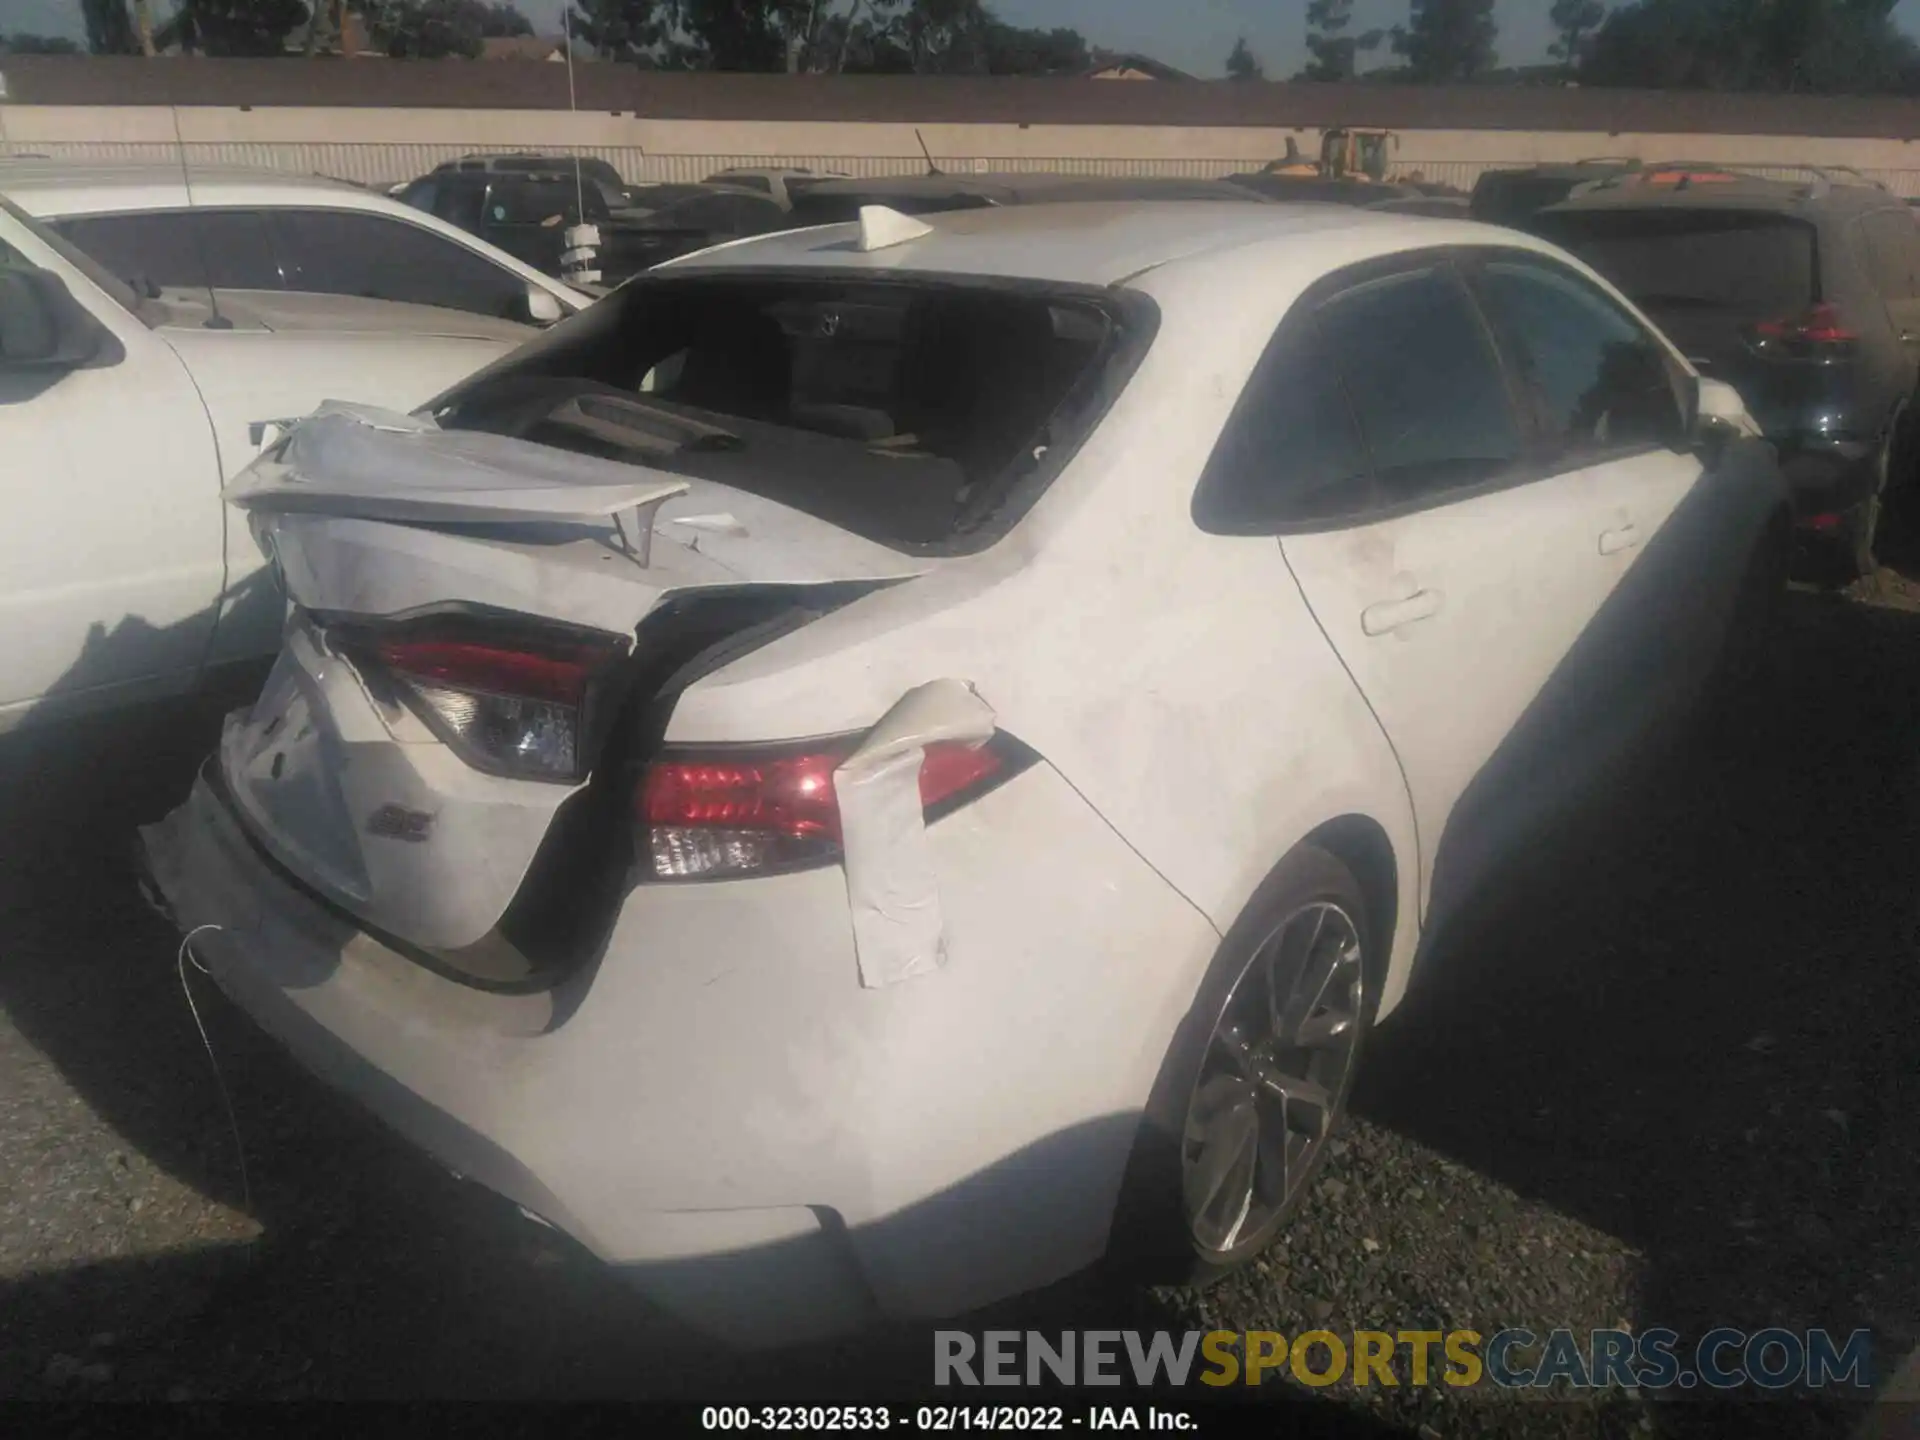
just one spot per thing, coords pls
(230, 228)
(896, 759)
(123, 574)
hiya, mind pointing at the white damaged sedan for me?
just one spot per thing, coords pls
(883, 764)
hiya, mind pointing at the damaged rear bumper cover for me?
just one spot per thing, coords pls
(285, 956)
(778, 1127)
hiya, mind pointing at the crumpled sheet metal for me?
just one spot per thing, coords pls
(892, 888)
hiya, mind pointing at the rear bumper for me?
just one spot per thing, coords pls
(1827, 477)
(718, 1107)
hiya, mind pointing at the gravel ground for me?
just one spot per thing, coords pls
(1666, 1076)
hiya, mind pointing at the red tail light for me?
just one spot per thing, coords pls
(743, 811)
(1815, 333)
(510, 699)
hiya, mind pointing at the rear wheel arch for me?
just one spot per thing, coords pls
(1361, 844)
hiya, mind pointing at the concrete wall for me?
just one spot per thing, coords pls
(381, 146)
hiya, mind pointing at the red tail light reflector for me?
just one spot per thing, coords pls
(739, 810)
(509, 698)
(1817, 330)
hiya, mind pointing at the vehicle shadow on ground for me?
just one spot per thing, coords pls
(1690, 1021)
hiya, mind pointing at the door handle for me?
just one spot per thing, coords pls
(1392, 614)
(1612, 542)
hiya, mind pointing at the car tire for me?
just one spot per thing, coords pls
(1863, 521)
(1270, 1096)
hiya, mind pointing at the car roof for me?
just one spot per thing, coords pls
(1029, 187)
(1565, 170)
(82, 187)
(1745, 190)
(1093, 243)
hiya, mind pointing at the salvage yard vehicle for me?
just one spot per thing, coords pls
(268, 232)
(123, 575)
(600, 175)
(882, 764)
(1804, 295)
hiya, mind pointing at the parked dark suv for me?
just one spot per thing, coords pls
(1802, 295)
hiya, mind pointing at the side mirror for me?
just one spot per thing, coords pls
(543, 306)
(1715, 412)
(42, 327)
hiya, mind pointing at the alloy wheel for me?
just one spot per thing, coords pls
(1273, 1076)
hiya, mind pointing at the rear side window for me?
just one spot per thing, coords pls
(751, 182)
(181, 249)
(1600, 382)
(1889, 246)
(1291, 453)
(337, 252)
(1424, 381)
(1751, 264)
(463, 205)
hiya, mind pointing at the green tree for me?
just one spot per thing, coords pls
(1825, 46)
(622, 29)
(233, 27)
(428, 29)
(1016, 50)
(1447, 40)
(502, 20)
(1243, 64)
(109, 25)
(1335, 53)
(1574, 22)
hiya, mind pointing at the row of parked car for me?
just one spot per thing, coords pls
(699, 790)
(1803, 292)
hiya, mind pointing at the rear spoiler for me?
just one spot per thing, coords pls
(364, 463)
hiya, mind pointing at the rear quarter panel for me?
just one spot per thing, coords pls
(1176, 680)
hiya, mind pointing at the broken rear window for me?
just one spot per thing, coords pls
(919, 414)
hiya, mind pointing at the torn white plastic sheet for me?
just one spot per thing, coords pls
(898, 930)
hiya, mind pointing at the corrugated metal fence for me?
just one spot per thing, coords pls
(383, 164)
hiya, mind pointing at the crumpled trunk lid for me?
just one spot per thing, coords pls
(373, 518)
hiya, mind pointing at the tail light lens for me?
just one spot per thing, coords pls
(513, 700)
(1819, 332)
(737, 810)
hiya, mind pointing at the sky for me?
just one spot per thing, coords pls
(1194, 35)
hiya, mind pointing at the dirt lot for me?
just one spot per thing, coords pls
(1668, 1077)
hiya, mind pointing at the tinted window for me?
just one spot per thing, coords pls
(181, 249)
(723, 214)
(332, 252)
(545, 201)
(1291, 452)
(1890, 252)
(421, 194)
(463, 203)
(1424, 382)
(1600, 382)
(1756, 265)
(752, 182)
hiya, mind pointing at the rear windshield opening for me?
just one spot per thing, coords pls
(1753, 265)
(916, 414)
